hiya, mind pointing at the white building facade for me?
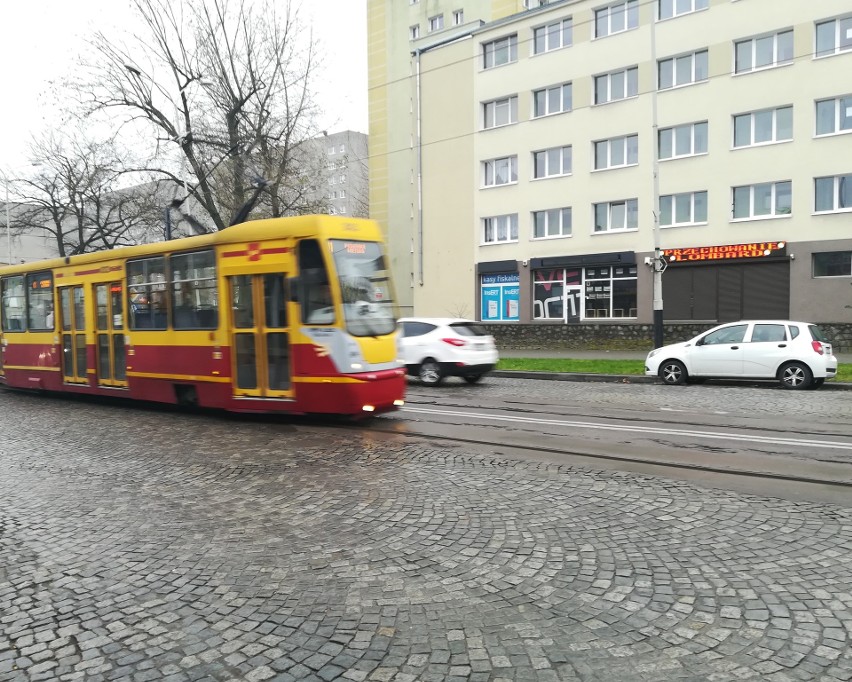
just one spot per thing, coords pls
(543, 142)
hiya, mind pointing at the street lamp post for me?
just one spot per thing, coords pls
(658, 263)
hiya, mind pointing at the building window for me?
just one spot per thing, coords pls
(342, 194)
(500, 112)
(332, 149)
(834, 36)
(553, 36)
(501, 228)
(617, 152)
(610, 87)
(666, 9)
(436, 23)
(682, 70)
(689, 208)
(552, 162)
(763, 52)
(500, 297)
(766, 200)
(458, 17)
(555, 222)
(611, 291)
(553, 100)
(616, 18)
(558, 294)
(833, 193)
(834, 115)
(614, 216)
(500, 171)
(763, 127)
(414, 32)
(833, 264)
(685, 140)
(499, 52)
(413, 2)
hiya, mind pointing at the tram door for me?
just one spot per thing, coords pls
(109, 323)
(261, 335)
(73, 334)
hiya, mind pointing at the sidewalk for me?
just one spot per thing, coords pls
(602, 354)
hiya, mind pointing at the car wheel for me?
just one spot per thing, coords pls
(795, 376)
(430, 373)
(673, 372)
(472, 378)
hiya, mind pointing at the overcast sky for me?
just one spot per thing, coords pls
(41, 37)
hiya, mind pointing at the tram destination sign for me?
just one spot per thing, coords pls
(695, 254)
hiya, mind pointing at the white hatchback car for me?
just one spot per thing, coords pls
(436, 347)
(794, 353)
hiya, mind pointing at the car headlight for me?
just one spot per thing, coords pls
(653, 353)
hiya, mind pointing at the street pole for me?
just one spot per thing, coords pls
(658, 263)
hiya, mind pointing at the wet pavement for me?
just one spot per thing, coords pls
(140, 544)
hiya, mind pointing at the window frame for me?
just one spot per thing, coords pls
(631, 209)
(626, 152)
(511, 228)
(510, 101)
(512, 168)
(511, 48)
(836, 44)
(693, 70)
(435, 23)
(546, 152)
(753, 127)
(692, 138)
(675, 13)
(836, 193)
(836, 115)
(547, 214)
(630, 9)
(692, 209)
(776, 61)
(545, 31)
(774, 214)
(814, 255)
(561, 88)
(627, 72)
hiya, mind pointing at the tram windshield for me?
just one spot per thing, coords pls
(368, 305)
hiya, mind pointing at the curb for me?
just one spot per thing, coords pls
(627, 378)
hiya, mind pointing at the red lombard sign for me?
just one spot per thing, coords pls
(726, 252)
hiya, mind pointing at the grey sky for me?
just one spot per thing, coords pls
(40, 39)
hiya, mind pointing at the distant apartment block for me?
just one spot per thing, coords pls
(344, 181)
(528, 160)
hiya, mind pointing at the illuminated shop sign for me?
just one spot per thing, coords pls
(727, 252)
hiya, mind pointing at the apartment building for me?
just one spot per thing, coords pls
(345, 181)
(543, 141)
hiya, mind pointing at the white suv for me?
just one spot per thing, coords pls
(436, 347)
(795, 353)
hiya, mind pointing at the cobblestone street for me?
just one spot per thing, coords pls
(146, 545)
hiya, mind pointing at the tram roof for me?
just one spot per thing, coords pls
(252, 230)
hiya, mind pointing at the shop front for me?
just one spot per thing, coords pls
(727, 283)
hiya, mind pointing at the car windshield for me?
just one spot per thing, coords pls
(368, 304)
(467, 329)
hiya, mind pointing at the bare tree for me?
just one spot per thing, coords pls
(225, 86)
(80, 196)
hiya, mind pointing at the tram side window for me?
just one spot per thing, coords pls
(14, 302)
(40, 301)
(194, 295)
(146, 288)
(315, 289)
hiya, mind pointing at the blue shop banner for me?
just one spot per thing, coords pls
(500, 297)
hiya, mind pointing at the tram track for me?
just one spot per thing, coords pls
(812, 465)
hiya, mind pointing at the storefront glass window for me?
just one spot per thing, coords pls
(500, 297)
(611, 291)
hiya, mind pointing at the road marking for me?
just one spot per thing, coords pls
(650, 430)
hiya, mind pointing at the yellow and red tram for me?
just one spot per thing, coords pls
(281, 315)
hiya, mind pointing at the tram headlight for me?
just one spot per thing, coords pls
(357, 365)
(368, 408)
